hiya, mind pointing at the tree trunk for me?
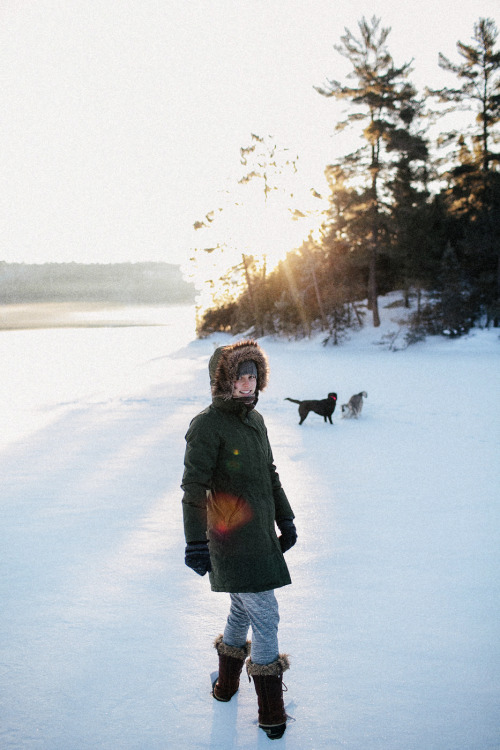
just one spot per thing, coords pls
(251, 295)
(324, 323)
(372, 286)
(372, 266)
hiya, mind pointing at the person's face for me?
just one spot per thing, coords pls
(244, 386)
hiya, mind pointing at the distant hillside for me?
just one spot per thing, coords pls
(122, 283)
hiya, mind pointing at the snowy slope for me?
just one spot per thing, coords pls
(392, 619)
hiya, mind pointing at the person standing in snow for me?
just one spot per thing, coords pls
(232, 500)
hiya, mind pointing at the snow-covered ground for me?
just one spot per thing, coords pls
(391, 622)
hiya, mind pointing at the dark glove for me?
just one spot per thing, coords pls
(197, 557)
(288, 533)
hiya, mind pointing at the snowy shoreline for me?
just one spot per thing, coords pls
(43, 315)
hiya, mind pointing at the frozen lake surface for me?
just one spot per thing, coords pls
(391, 622)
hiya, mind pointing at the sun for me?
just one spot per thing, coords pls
(248, 222)
(268, 227)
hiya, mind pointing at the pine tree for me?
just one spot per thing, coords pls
(412, 242)
(473, 190)
(479, 77)
(379, 97)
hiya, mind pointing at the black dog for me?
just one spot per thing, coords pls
(324, 407)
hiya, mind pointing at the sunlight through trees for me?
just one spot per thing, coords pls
(407, 209)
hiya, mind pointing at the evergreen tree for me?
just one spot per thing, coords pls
(413, 244)
(473, 190)
(479, 78)
(379, 98)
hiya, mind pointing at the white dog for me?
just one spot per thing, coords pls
(355, 405)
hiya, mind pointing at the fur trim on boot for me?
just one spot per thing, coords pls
(276, 668)
(231, 660)
(234, 651)
(268, 681)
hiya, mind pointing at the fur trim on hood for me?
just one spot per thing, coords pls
(224, 362)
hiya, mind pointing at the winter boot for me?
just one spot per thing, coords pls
(268, 681)
(231, 660)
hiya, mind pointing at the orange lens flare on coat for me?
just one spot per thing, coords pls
(227, 513)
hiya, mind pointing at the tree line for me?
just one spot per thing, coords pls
(413, 208)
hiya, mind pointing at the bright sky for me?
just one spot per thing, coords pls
(121, 120)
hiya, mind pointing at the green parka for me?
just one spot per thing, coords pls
(232, 491)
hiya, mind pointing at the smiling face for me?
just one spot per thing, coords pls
(244, 386)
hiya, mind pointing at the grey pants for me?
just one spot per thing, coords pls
(260, 612)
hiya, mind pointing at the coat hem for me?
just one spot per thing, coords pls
(249, 590)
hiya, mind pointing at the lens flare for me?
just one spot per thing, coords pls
(227, 513)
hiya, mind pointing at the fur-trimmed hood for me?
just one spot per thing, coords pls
(224, 362)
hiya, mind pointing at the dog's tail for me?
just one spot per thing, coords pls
(293, 400)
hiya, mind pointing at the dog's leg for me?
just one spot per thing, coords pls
(303, 414)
